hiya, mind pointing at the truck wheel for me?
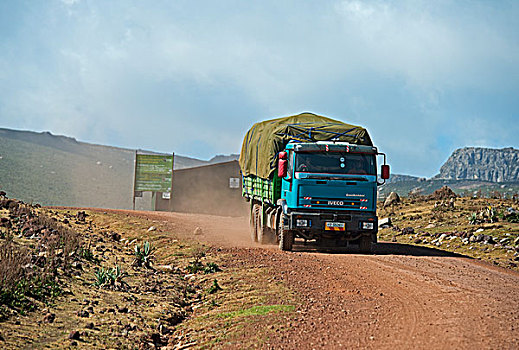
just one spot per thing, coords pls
(254, 215)
(286, 237)
(365, 244)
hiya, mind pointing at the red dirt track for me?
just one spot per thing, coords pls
(400, 297)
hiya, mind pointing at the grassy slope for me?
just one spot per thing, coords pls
(57, 170)
(429, 223)
(50, 176)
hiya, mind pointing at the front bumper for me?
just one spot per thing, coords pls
(316, 222)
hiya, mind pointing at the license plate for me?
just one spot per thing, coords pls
(335, 226)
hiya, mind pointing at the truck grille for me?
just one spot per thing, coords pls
(333, 202)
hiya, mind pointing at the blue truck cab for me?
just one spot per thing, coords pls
(329, 192)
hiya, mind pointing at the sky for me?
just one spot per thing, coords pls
(191, 77)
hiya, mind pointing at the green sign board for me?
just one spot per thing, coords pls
(153, 172)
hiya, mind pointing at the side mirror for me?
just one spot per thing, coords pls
(385, 172)
(282, 164)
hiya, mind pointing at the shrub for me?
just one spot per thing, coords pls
(21, 283)
(211, 268)
(215, 287)
(195, 266)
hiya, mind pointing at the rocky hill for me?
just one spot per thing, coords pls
(483, 164)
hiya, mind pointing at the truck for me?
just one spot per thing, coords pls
(311, 178)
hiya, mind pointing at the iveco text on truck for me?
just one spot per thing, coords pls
(312, 178)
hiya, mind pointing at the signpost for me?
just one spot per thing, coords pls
(153, 172)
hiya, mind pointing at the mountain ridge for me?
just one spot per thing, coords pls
(60, 170)
(480, 163)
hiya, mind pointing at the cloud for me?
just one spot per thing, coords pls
(177, 75)
(70, 2)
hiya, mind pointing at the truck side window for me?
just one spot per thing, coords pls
(290, 164)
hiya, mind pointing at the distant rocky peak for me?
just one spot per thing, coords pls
(485, 164)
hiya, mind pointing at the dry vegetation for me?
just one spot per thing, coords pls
(481, 228)
(110, 280)
(113, 280)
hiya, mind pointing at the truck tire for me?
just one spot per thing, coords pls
(365, 244)
(261, 231)
(286, 237)
(265, 234)
(254, 215)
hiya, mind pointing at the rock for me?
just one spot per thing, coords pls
(81, 216)
(479, 230)
(49, 318)
(75, 335)
(163, 329)
(198, 231)
(123, 310)
(430, 226)
(489, 240)
(392, 199)
(408, 231)
(443, 193)
(472, 239)
(89, 325)
(152, 228)
(451, 202)
(77, 265)
(443, 236)
(116, 236)
(384, 223)
(418, 240)
(158, 340)
(83, 313)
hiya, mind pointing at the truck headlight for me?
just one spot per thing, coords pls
(367, 226)
(301, 222)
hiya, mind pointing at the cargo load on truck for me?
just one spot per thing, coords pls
(266, 139)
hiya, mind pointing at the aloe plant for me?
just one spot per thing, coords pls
(110, 278)
(143, 255)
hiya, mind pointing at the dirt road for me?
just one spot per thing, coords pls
(401, 297)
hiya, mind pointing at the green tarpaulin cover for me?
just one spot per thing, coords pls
(266, 139)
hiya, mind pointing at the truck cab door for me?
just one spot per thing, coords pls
(286, 182)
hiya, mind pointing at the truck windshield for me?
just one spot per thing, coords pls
(335, 163)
